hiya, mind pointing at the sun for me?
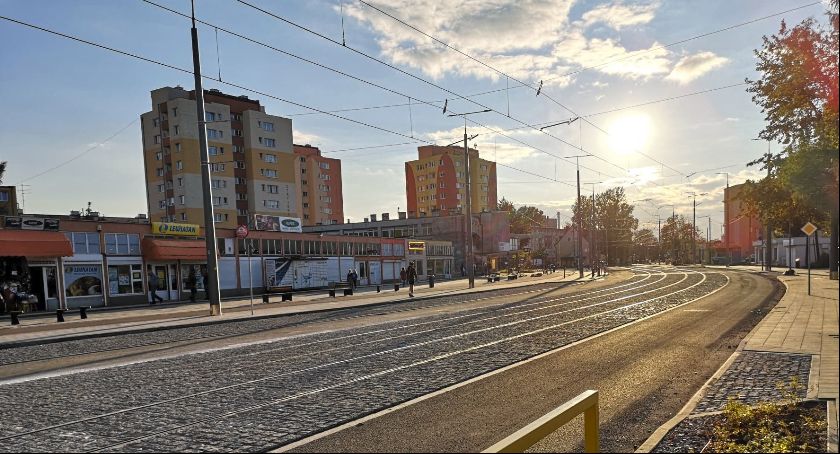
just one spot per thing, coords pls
(630, 133)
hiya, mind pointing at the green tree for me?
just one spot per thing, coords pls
(2, 170)
(644, 245)
(676, 239)
(614, 223)
(522, 219)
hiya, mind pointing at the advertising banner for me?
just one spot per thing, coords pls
(277, 223)
(416, 246)
(168, 228)
(31, 223)
(83, 280)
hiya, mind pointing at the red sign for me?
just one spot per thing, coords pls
(241, 231)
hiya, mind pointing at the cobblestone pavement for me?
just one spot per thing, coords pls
(756, 377)
(261, 396)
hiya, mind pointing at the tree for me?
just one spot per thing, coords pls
(522, 219)
(644, 243)
(798, 93)
(2, 170)
(676, 239)
(614, 222)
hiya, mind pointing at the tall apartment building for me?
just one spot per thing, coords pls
(435, 183)
(319, 179)
(251, 159)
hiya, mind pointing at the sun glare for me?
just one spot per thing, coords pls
(630, 133)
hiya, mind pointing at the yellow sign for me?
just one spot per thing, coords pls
(167, 228)
(809, 229)
(418, 246)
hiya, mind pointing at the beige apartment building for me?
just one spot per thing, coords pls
(435, 183)
(319, 179)
(251, 159)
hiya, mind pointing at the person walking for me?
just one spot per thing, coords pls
(191, 284)
(154, 282)
(403, 275)
(204, 284)
(350, 281)
(411, 274)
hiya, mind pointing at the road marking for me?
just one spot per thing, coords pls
(697, 310)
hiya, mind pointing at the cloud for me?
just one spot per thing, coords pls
(301, 138)
(491, 146)
(618, 15)
(693, 66)
(593, 53)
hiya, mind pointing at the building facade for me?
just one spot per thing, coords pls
(8, 201)
(741, 228)
(251, 159)
(319, 179)
(435, 183)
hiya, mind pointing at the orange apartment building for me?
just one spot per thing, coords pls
(251, 159)
(741, 228)
(436, 182)
(319, 179)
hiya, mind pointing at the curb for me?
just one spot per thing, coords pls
(686, 410)
(72, 337)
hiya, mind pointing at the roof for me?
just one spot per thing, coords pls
(157, 249)
(33, 243)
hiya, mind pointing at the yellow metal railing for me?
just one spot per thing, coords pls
(586, 403)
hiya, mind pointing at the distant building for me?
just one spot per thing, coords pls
(743, 229)
(251, 159)
(319, 179)
(435, 183)
(8, 201)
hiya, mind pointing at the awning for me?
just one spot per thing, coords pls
(156, 249)
(31, 243)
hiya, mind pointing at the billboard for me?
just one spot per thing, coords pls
(277, 223)
(168, 228)
(31, 223)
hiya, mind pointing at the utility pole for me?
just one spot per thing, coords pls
(726, 218)
(768, 237)
(469, 259)
(592, 255)
(209, 218)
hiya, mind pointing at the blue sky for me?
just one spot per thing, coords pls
(62, 97)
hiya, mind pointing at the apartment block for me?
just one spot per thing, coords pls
(436, 182)
(251, 159)
(319, 180)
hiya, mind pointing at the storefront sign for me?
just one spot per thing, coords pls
(168, 228)
(416, 246)
(31, 223)
(277, 223)
(83, 280)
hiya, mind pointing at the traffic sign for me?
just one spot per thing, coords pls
(809, 229)
(242, 231)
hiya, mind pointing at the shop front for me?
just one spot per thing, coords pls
(29, 269)
(172, 261)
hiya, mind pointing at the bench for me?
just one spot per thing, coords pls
(285, 292)
(348, 289)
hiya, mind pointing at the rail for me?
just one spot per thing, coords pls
(586, 403)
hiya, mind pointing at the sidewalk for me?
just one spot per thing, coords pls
(797, 338)
(102, 321)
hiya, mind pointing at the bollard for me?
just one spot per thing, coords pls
(265, 298)
(377, 289)
(83, 312)
(15, 319)
(396, 287)
(59, 315)
(431, 281)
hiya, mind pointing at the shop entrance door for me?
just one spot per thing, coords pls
(44, 285)
(164, 288)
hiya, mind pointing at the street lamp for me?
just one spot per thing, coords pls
(469, 243)
(768, 237)
(591, 229)
(708, 239)
(694, 227)
(726, 218)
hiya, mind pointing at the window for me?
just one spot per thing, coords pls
(326, 210)
(236, 117)
(269, 158)
(302, 170)
(4, 196)
(324, 187)
(270, 188)
(180, 182)
(217, 167)
(271, 203)
(242, 212)
(215, 151)
(162, 205)
(179, 165)
(238, 149)
(157, 139)
(84, 243)
(323, 176)
(269, 143)
(237, 132)
(160, 171)
(306, 205)
(156, 122)
(241, 196)
(265, 126)
(215, 134)
(305, 194)
(326, 199)
(158, 155)
(160, 188)
(183, 216)
(174, 111)
(239, 164)
(324, 165)
(220, 200)
(220, 217)
(211, 116)
(218, 184)
(177, 147)
(177, 129)
(270, 173)
(182, 199)
(302, 159)
(240, 180)
(122, 244)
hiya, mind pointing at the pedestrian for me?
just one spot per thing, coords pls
(411, 274)
(191, 284)
(350, 281)
(154, 282)
(403, 275)
(463, 270)
(204, 284)
(355, 279)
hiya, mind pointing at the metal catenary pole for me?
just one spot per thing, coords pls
(209, 218)
(469, 242)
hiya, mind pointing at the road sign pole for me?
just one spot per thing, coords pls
(809, 230)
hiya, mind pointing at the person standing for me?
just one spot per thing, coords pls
(403, 276)
(154, 282)
(191, 284)
(350, 281)
(204, 284)
(411, 274)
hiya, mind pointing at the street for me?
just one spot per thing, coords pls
(261, 384)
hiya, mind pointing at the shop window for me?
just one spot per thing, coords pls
(125, 279)
(122, 244)
(84, 242)
(82, 280)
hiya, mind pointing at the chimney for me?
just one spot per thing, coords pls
(367, 220)
(373, 218)
(386, 217)
(401, 214)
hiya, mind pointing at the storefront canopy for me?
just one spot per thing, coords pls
(160, 250)
(28, 243)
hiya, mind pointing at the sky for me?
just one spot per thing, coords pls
(71, 132)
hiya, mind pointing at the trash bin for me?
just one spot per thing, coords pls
(431, 281)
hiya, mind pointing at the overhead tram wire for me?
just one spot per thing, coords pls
(234, 85)
(414, 76)
(429, 103)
